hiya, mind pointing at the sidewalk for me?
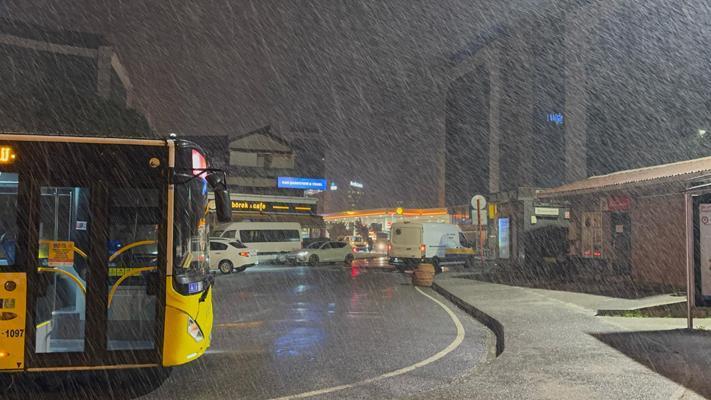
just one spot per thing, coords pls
(556, 348)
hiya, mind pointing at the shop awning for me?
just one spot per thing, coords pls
(634, 178)
(306, 221)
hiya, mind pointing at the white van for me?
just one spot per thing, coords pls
(269, 239)
(436, 243)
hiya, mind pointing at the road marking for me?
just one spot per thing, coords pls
(241, 352)
(241, 325)
(452, 346)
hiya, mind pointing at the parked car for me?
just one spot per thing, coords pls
(323, 252)
(435, 243)
(230, 255)
(356, 242)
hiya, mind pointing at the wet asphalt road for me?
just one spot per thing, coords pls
(284, 331)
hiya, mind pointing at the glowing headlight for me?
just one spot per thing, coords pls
(194, 330)
(302, 253)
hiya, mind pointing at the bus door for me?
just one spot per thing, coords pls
(92, 257)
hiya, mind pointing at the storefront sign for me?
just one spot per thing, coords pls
(238, 205)
(492, 211)
(618, 203)
(705, 248)
(273, 207)
(503, 238)
(61, 254)
(288, 182)
(546, 211)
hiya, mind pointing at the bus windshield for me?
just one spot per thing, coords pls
(190, 236)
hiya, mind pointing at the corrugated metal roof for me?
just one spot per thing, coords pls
(656, 174)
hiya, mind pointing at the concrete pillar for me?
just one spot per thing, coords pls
(103, 73)
(521, 113)
(576, 98)
(580, 28)
(495, 88)
(122, 74)
(490, 58)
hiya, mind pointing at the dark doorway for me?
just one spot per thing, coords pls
(621, 241)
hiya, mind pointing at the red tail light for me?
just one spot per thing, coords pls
(244, 253)
(390, 248)
(423, 249)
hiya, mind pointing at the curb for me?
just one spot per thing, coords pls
(487, 320)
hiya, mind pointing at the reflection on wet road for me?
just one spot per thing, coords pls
(281, 331)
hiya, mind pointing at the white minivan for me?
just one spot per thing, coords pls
(436, 243)
(269, 239)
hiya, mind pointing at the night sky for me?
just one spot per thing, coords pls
(371, 76)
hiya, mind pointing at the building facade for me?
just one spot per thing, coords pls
(64, 82)
(254, 163)
(572, 91)
(633, 221)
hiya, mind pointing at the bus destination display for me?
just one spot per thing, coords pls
(7, 155)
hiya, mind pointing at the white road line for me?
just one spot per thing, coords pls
(452, 346)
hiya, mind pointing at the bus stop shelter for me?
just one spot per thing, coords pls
(648, 221)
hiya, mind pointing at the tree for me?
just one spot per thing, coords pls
(361, 230)
(337, 229)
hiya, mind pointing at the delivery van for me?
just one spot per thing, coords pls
(270, 239)
(435, 243)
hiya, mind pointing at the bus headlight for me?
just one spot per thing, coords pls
(195, 331)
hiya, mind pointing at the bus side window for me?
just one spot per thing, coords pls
(8, 215)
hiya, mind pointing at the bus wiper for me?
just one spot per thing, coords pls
(210, 281)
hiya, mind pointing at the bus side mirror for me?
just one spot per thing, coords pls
(223, 205)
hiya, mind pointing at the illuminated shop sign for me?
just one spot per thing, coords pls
(504, 238)
(272, 207)
(248, 205)
(556, 118)
(546, 211)
(356, 184)
(288, 182)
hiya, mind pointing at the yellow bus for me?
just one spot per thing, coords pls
(104, 252)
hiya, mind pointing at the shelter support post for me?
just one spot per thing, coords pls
(690, 283)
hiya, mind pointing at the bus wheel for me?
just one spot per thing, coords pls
(313, 260)
(435, 263)
(226, 267)
(349, 260)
